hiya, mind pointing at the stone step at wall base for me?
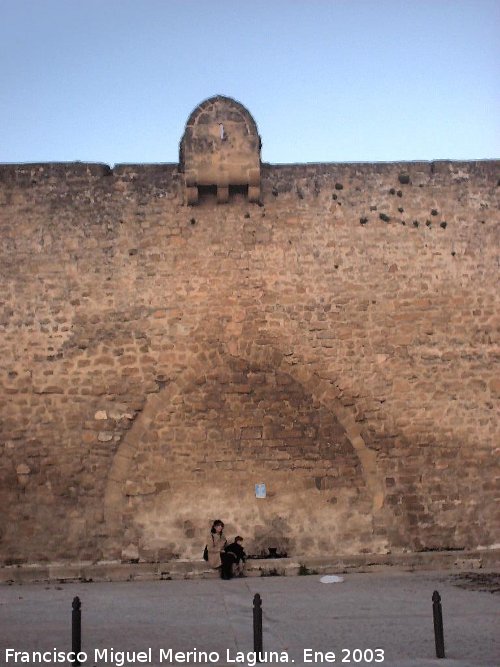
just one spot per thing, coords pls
(186, 569)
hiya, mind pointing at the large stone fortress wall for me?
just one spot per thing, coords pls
(337, 341)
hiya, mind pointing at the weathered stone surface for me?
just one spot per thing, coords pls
(352, 368)
(140, 488)
(220, 149)
(494, 386)
(130, 553)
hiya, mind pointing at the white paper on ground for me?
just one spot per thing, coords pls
(331, 579)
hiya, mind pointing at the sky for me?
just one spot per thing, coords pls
(114, 81)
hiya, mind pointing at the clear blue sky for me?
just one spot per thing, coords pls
(326, 80)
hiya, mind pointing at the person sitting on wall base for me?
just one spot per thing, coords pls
(215, 545)
(237, 557)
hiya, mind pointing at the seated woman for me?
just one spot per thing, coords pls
(215, 544)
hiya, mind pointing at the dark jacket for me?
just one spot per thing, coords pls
(237, 550)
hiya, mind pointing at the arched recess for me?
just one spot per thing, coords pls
(322, 390)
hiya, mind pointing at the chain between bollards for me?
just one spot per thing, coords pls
(437, 613)
(257, 627)
(76, 630)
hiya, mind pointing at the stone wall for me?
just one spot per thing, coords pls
(337, 341)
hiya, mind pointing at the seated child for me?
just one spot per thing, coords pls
(236, 551)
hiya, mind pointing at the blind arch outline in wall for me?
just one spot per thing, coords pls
(322, 390)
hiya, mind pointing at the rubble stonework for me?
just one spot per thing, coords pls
(336, 341)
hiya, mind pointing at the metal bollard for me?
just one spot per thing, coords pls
(437, 613)
(257, 626)
(76, 630)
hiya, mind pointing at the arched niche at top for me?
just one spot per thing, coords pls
(220, 148)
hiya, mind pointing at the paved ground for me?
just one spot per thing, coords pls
(388, 611)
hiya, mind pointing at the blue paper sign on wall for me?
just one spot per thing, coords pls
(260, 490)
